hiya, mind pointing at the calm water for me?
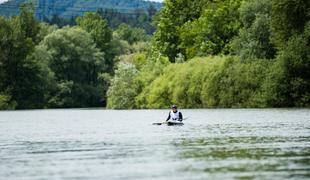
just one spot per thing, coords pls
(106, 144)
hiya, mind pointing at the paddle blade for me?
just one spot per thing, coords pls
(161, 123)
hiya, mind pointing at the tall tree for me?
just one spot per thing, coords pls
(173, 15)
(77, 64)
(288, 18)
(101, 34)
(22, 77)
(289, 82)
(212, 32)
(253, 40)
(28, 23)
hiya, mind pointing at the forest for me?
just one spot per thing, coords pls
(73, 8)
(203, 54)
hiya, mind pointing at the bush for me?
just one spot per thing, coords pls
(236, 84)
(209, 82)
(5, 102)
(152, 69)
(123, 89)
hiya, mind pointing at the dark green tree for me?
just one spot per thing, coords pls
(212, 32)
(77, 64)
(289, 82)
(28, 23)
(288, 18)
(173, 15)
(23, 78)
(101, 34)
(190, 28)
(130, 34)
(253, 40)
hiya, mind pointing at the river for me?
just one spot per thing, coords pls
(123, 144)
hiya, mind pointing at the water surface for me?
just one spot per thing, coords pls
(108, 144)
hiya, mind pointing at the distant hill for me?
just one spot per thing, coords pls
(72, 8)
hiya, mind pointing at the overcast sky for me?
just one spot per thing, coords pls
(1, 1)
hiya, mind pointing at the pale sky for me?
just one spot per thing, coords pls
(1, 1)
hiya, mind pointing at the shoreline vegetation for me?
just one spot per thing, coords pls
(203, 54)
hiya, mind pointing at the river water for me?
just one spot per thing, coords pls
(123, 144)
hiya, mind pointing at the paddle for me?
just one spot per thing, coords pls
(159, 123)
(165, 122)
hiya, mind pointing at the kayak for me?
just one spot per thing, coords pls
(175, 123)
(170, 123)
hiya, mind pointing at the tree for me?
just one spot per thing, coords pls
(253, 40)
(45, 29)
(101, 34)
(138, 18)
(28, 23)
(288, 84)
(194, 28)
(76, 63)
(212, 32)
(23, 79)
(288, 18)
(173, 15)
(123, 89)
(130, 34)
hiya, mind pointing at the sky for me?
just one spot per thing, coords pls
(1, 1)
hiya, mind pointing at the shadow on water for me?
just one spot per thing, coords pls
(247, 157)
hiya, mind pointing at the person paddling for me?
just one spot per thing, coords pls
(174, 114)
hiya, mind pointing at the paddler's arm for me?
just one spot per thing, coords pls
(180, 116)
(168, 117)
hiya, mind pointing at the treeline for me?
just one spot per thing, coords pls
(229, 53)
(139, 18)
(204, 53)
(67, 9)
(44, 66)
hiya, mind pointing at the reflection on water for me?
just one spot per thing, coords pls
(251, 157)
(278, 149)
(103, 144)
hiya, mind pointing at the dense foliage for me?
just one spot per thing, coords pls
(75, 62)
(209, 53)
(255, 53)
(101, 34)
(253, 40)
(196, 28)
(24, 81)
(42, 66)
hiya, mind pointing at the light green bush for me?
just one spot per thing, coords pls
(6, 103)
(209, 82)
(123, 90)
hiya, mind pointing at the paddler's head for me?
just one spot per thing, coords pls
(174, 108)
